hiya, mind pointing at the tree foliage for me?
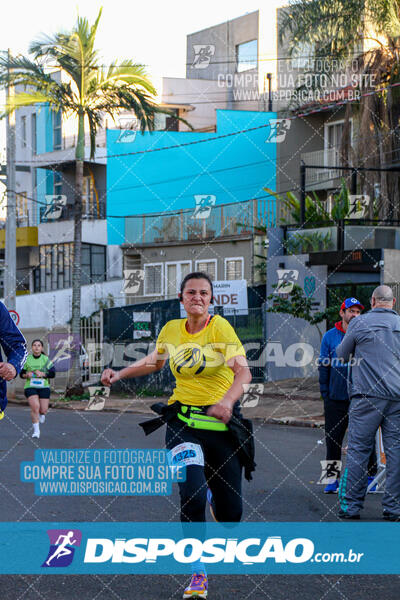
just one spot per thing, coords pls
(366, 33)
(300, 306)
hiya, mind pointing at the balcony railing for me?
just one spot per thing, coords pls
(225, 220)
(328, 157)
(96, 211)
(358, 234)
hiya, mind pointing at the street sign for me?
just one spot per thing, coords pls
(15, 316)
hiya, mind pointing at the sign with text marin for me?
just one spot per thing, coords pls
(231, 295)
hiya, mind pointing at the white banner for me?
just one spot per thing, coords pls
(232, 295)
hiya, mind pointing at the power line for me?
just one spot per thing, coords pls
(227, 135)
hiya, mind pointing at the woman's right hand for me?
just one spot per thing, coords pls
(109, 376)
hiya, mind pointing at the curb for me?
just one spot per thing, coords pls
(312, 422)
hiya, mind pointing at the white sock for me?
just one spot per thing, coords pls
(36, 427)
(42, 418)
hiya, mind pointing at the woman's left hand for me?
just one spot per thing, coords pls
(40, 374)
(222, 411)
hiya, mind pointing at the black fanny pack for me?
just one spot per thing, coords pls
(240, 429)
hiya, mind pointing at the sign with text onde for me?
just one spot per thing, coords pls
(231, 295)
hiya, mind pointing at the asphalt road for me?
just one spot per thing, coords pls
(284, 489)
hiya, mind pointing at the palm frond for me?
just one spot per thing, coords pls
(126, 72)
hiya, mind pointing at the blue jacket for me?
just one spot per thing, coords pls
(332, 371)
(14, 346)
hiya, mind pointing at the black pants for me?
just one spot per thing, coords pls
(221, 472)
(336, 422)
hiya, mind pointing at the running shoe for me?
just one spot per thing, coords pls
(42, 419)
(332, 488)
(36, 433)
(210, 502)
(197, 587)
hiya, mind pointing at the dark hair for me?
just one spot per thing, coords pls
(40, 342)
(197, 275)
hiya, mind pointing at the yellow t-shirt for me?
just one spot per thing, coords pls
(198, 361)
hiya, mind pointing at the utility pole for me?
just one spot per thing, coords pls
(10, 272)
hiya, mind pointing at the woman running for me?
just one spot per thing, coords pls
(37, 371)
(203, 416)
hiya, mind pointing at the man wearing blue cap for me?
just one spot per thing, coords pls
(333, 388)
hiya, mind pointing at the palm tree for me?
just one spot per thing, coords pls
(367, 32)
(91, 92)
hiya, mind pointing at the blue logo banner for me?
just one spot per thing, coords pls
(225, 548)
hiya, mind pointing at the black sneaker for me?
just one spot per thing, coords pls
(389, 516)
(344, 515)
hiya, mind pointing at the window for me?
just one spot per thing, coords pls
(174, 273)
(234, 268)
(57, 183)
(246, 56)
(88, 198)
(57, 136)
(332, 140)
(208, 266)
(33, 134)
(56, 262)
(153, 279)
(21, 209)
(23, 131)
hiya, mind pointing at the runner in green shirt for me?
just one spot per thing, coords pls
(37, 371)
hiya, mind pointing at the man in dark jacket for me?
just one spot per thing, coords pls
(333, 388)
(14, 346)
(374, 389)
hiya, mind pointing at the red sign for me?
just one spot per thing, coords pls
(15, 316)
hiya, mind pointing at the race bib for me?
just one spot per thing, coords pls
(37, 382)
(186, 454)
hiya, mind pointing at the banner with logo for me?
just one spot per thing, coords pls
(162, 548)
(232, 295)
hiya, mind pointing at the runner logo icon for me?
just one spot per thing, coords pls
(62, 547)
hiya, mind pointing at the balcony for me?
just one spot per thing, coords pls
(225, 220)
(97, 210)
(26, 236)
(65, 153)
(358, 235)
(323, 178)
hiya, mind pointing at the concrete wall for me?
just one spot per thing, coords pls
(93, 232)
(191, 252)
(48, 309)
(390, 272)
(205, 95)
(224, 38)
(293, 344)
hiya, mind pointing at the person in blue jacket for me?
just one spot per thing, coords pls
(14, 347)
(333, 388)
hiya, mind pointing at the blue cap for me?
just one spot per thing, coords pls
(349, 302)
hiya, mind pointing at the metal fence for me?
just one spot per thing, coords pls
(238, 218)
(91, 332)
(130, 332)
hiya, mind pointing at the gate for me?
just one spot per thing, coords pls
(91, 331)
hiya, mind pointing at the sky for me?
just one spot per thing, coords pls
(151, 34)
